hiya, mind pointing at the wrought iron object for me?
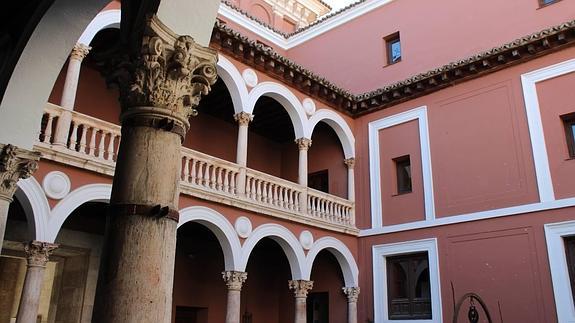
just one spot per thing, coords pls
(472, 313)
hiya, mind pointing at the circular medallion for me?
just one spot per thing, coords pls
(243, 227)
(306, 239)
(308, 106)
(250, 77)
(56, 185)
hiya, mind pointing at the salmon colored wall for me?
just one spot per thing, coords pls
(394, 142)
(481, 153)
(502, 259)
(556, 98)
(94, 98)
(327, 277)
(451, 30)
(326, 153)
(213, 136)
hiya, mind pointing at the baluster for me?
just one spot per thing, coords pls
(193, 176)
(226, 180)
(296, 204)
(253, 195)
(248, 186)
(92, 144)
(73, 136)
(101, 145)
(265, 192)
(271, 194)
(48, 129)
(200, 174)
(186, 170)
(220, 179)
(286, 198)
(311, 201)
(83, 139)
(213, 176)
(233, 181)
(207, 178)
(110, 150)
(276, 201)
(290, 197)
(259, 190)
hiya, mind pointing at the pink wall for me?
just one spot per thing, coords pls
(432, 34)
(326, 153)
(556, 98)
(394, 142)
(327, 277)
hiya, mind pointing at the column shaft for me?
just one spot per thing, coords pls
(300, 289)
(243, 120)
(37, 257)
(352, 294)
(234, 280)
(350, 162)
(15, 164)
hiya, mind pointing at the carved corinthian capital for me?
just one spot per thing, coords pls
(15, 163)
(350, 162)
(234, 279)
(80, 51)
(169, 76)
(38, 253)
(352, 293)
(300, 287)
(303, 143)
(243, 118)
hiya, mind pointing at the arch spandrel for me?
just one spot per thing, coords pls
(344, 257)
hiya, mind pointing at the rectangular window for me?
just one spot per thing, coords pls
(319, 181)
(408, 287)
(403, 174)
(393, 48)
(569, 124)
(543, 3)
(570, 254)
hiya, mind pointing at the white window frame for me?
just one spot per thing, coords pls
(380, 252)
(554, 235)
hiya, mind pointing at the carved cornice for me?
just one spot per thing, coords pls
(243, 118)
(169, 76)
(234, 279)
(38, 253)
(352, 294)
(350, 162)
(265, 59)
(15, 163)
(300, 287)
(303, 143)
(80, 51)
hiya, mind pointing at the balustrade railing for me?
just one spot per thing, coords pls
(92, 141)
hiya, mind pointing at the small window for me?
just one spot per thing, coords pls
(570, 251)
(569, 124)
(393, 48)
(408, 287)
(543, 3)
(403, 174)
(319, 181)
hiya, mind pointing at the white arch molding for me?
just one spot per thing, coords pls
(105, 19)
(221, 228)
(234, 83)
(79, 196)
(287, 241)
(286, 98)
(341, 253)
(338, 124)
(36, 207)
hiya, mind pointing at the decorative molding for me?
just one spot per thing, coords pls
(300, 287)
(234, 279)
(250, 77)
(243, 227)
(15, 164)
(380, 252)
(56, 184)
(243, 118)
(306, 239)
(308, 106)
(38, 253)
(80, 51)
(303, 143)
(341, 252)
(554, 235)
(352, 294)
(419, 114)
(349, 162)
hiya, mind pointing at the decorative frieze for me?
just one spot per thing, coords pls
(234, 279)
(303, 143)
(352, 294)
(243, 118)
(15, 164)
(300, 287)
(80, 51)
(350, 162)
(38, 253)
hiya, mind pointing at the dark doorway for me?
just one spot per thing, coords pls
(318, 307)
(186, 314)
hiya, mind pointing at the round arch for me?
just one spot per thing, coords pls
(286, 98)
(287, 241)
(221, 228)
(81, 195)
(342, 254)
(35, 204)
(105, 19)
(338, 124)
(234, 83)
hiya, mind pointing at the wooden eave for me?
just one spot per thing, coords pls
(265, 59)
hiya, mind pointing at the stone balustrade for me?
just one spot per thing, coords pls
(93, 144)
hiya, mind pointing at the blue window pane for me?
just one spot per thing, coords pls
(395, 51)
(573, 131)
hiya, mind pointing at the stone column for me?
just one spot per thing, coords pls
(234, 280)
(37, 256)
(352, 294)
(243, 120)
(300, 289)
(159, 90)
(303, 145)
(350, 163)
(79, 52)
(15, 163)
